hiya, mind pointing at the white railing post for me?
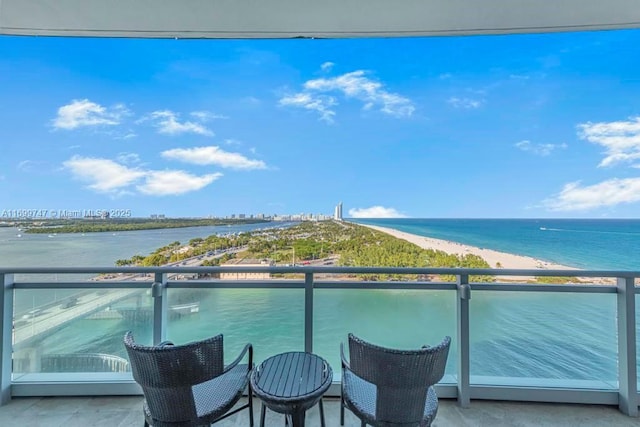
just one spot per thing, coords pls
(308, 312)
(462, 311)
(627, 370)
(160, 307)
(6, 329)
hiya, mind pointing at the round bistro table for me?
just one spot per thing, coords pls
(290, 383)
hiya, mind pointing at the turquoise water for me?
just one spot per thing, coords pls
(598, 244)
(523, 335)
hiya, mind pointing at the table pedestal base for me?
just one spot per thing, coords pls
(297, 418)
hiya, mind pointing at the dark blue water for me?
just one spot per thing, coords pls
(598, 244)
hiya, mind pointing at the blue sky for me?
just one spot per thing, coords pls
(492, 126)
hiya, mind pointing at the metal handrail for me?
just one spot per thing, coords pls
(326, 270)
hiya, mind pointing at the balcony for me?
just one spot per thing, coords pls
(126, 412)
(520, 342)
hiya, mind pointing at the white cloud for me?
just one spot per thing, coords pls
(539, 149)
(168, 123)
(621, 139)
(103, 175)
(327, 66)
(375, 212)
(128, 158)
(575, 197)
(129, 135)
(213, 155)
(206, 116)
(34, 167)
(108, 176)
(355, 85)
(321, 104)
(358, 86)
(82, 112)
(27, 165)
(166, 183)
(251, 101)
(465, 103)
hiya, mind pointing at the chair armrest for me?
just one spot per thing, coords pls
(247, 348)
(165, 344)
(345, 362)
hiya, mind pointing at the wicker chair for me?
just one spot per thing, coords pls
(188, 385)
(386, 387)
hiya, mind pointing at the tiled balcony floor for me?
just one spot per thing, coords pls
(126, 411)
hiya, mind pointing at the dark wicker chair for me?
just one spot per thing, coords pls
(188, 385)
(386, 387)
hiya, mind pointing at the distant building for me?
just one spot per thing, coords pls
(241, 216)
(338, 212)
(246, 262)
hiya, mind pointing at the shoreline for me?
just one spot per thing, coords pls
(495, 259)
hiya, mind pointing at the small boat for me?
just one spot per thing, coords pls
(182, 309)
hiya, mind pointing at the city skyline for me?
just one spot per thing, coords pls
(522, 126)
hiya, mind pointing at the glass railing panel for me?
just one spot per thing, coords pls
(76, 331)
(638, 339)
(392, 318)
(543, 339)
(272, 320)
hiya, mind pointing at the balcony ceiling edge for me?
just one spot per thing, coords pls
(310, 19)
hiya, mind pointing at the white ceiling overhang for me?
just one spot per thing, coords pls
(306, 18)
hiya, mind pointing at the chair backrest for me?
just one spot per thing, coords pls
(402, 377)
(167, 374)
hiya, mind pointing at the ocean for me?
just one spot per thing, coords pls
(593, 244)
(553, 338)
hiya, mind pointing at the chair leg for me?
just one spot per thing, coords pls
(250, 407)
(263, 412)
(341, 411)
(321, 414)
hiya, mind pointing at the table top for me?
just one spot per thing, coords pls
(292, 375)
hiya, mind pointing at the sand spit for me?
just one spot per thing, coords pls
(495, 259)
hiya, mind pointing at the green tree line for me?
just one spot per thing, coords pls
(111, 225)
(353, 245)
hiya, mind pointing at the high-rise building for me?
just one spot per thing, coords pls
(338, 212)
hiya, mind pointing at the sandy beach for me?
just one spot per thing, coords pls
(494, 258)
